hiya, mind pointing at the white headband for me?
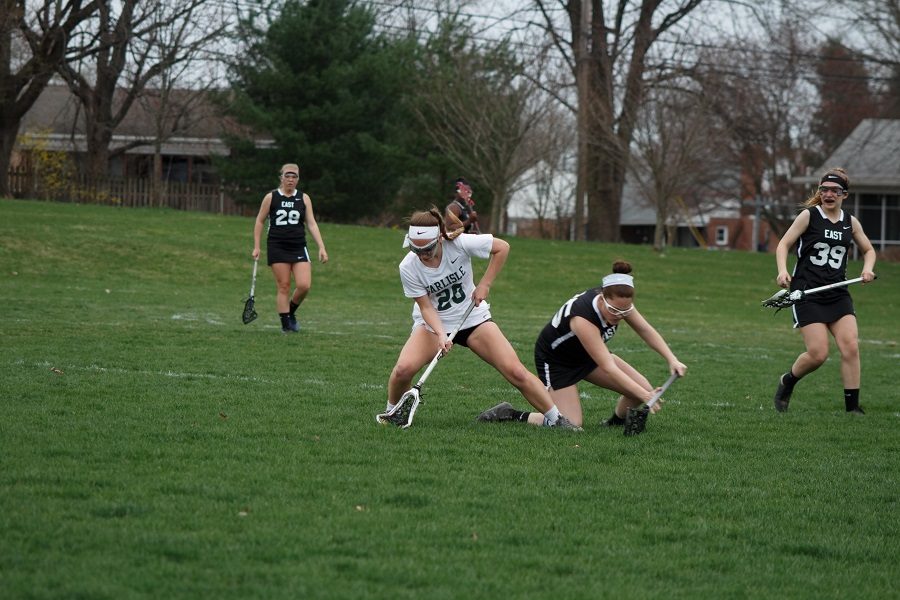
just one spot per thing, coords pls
(618, 279)
(421, 233)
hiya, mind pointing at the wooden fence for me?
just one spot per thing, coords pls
(129, 192)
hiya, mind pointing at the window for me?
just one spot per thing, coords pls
(721, 235)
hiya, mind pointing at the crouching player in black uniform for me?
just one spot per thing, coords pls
(572, 347)
(287, 210)
(824, 230)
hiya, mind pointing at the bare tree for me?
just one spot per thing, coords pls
(607, 52)
(143, 39)
(679, 152)
(483, 113)
(43, 39)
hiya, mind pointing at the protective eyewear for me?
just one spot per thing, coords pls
(617, 312)
(427, 249)
(823, 189)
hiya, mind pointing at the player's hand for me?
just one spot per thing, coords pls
(255, 253)
(867, 276)
(784, 279)
(323, 256)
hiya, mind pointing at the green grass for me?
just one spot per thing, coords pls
(153, 446)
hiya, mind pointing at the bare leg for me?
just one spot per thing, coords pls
(282, 272)
(815, 336)
(489, 343)
(419, 349)
(846, 336)
(302, 280)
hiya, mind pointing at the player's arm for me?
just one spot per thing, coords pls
(499, 253)
(654, 340)
(590, 338)
(313, 228)
(431, 316)
(868, 251)
(787, 241)
(261, 217)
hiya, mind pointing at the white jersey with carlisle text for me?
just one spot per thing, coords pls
(450, 285)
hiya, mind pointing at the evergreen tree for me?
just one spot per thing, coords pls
(327, 88)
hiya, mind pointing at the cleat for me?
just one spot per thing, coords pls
(563, 423)
(857, 411)
(293, 325)
(502, 412)
(782, 395)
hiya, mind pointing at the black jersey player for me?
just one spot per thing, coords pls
(573, 347)
(288, 213)
(823, 233)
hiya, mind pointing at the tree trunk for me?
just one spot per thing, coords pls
(7, 140)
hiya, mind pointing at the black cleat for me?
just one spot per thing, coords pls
(502, 412)
(293, 325)
(857, 411)
(783, 394)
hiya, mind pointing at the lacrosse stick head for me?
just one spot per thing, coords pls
(249, 311)
(636, 420)
(403, 412)
(783, 299)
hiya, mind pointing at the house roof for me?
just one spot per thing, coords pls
(870, 154)
(57, 118)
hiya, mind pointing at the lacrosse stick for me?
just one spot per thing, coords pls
(474, 228)
(636, 419)
(784, 298)
(249, 310)
(403, 412)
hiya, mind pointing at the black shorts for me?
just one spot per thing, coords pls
(287, 251)
(558, 375)
(462, 336)
(808, 312)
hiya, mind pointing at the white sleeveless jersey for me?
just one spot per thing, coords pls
(450, 285)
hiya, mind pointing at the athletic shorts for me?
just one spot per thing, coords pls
(558, 375)
(287, 251)
(462, 336)
(808, 312)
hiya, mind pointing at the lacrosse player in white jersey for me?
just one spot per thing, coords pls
(437, 274)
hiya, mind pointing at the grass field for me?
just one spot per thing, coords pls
(153, 446)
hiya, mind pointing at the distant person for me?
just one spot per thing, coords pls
(572, 347)
(825, 231)
(463, 207)
(287, 210)
(437, 274)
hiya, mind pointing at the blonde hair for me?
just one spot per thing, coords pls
(816, 199)
(289, 167)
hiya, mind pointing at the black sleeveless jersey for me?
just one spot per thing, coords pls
(557, 341)
(822, 255)
(464, 211)
(287, 217)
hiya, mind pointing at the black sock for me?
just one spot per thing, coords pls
(285, 320)
(851, 399)
(789, 379)
(616, 419)
(520, 416)
(293, 308)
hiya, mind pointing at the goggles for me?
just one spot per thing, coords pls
(617, 312)
(426, 249)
